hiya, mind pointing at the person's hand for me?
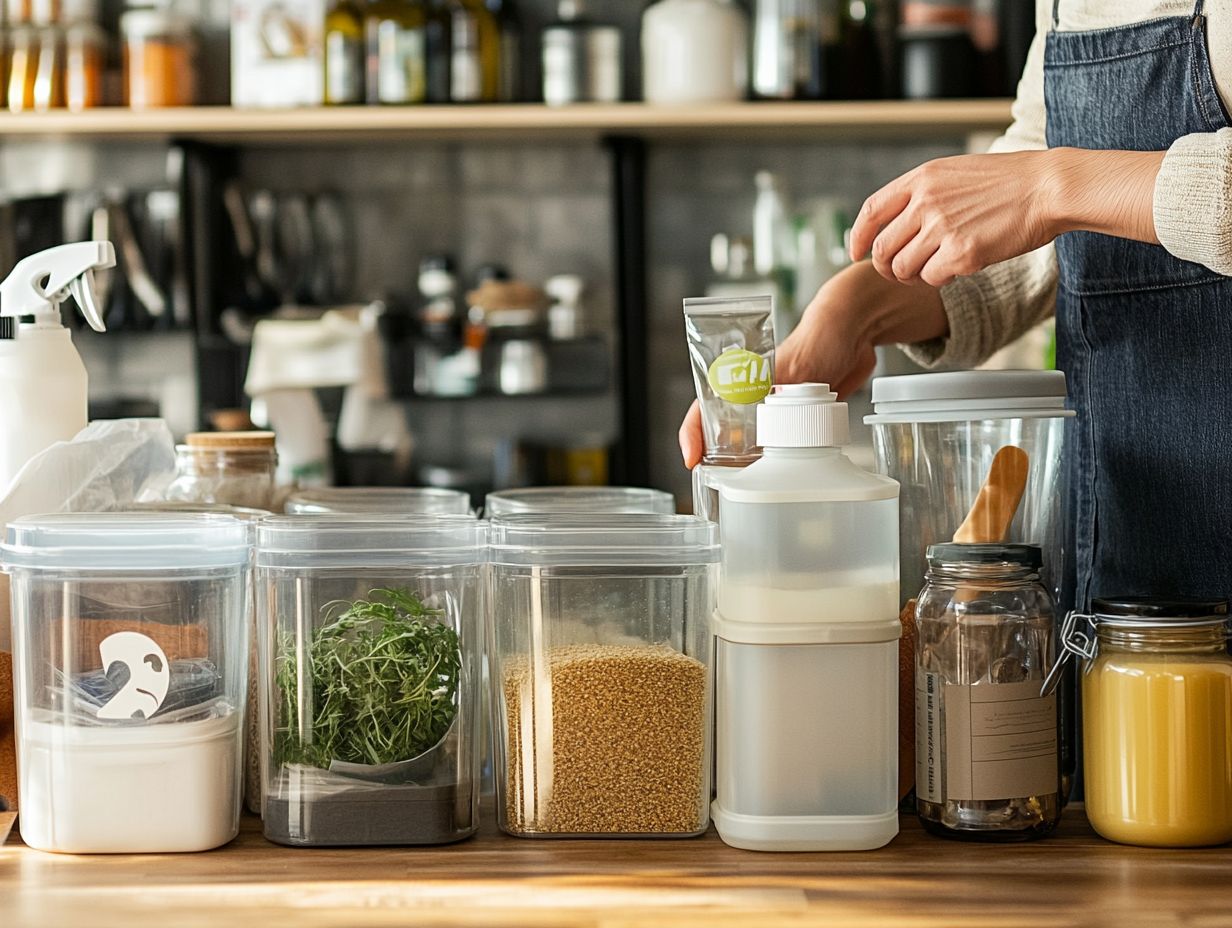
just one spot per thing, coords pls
(954, 216)
(835, 339)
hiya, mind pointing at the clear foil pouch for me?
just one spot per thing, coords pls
(731, 347)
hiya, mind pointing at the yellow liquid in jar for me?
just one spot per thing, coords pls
(1157, 732)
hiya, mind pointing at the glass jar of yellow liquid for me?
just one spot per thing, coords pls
(1157, 721)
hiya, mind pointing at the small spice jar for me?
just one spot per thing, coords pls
(1156, 717)
(601, 673)
(159, 58)
(84, 48)
(986, 740)
(236, 468)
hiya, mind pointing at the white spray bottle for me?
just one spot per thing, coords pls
(43, 383)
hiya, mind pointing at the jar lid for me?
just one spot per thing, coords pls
(1145, 611)
(1011, 555)
(231, 441)
(603, 539)
(358, 541)
(126, 541)
(146, 22)
(966, 396)
(380, 501)
(578, 500)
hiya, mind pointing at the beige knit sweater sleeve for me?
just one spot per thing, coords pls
(1193, 219)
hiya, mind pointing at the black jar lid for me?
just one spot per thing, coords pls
(1009, 555)
(1154, 610)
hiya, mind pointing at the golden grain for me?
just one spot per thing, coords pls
(627, 742)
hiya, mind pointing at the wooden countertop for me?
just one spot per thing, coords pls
(1072, 880)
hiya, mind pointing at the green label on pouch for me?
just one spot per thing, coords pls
(740, 376)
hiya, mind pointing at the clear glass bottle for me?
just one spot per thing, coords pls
(986, 740)
(1156, 712)
(344, 54)
(235, 468)
(396, 49)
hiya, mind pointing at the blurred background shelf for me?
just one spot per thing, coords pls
(925, 119)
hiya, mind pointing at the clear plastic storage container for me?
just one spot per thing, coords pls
(601, 681)
(380, 501)
(369, 633)
(936, 434)
(131, 662)
(578, 500)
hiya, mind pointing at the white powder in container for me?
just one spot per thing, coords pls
(158, 788)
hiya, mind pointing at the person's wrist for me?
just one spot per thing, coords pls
(1061, 191)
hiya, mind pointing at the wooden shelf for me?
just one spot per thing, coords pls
(527, 121)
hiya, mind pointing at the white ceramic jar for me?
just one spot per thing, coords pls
(694, 51)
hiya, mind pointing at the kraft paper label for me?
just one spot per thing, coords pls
(987, 742)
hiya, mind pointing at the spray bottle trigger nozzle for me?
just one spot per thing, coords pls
(82, 290)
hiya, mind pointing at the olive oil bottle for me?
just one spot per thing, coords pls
(475, 53)
(396, 50)
(344, 54)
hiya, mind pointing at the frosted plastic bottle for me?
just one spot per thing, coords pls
(807, 626)
(43, 383)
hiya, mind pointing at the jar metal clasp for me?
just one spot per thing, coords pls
(1078, 639)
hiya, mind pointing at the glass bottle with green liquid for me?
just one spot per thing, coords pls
(344, 54)
(396, 50)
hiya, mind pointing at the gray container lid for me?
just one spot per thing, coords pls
(126, 541)
(967, 396)
(380, 501)
(602, 540)
(578, 500)
(357, 541)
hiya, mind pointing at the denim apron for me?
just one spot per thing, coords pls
(1144, 338)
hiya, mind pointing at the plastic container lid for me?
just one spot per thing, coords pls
(802, 415)
(380, 501)
(126, 541)
(322, 541)
(967, 396)
(579, 500)
(603, 539)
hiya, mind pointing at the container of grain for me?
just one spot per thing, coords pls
(131, 651)
(369, 633)
(601, 673)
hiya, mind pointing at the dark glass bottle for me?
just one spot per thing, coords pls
(509, 69)
(859, 65)
(438, 36)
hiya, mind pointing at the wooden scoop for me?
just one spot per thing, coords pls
(989, 520)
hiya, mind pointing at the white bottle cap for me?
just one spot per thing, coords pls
(802, 415)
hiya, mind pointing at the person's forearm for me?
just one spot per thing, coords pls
(884, 312)
(1112, 192)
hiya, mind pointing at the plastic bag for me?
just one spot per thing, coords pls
(108, 465)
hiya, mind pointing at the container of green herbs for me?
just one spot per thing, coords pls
(383, 675)
(370, 667)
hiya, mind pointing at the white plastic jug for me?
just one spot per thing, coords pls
(807, 622)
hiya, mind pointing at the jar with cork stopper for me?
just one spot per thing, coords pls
(235, 468)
